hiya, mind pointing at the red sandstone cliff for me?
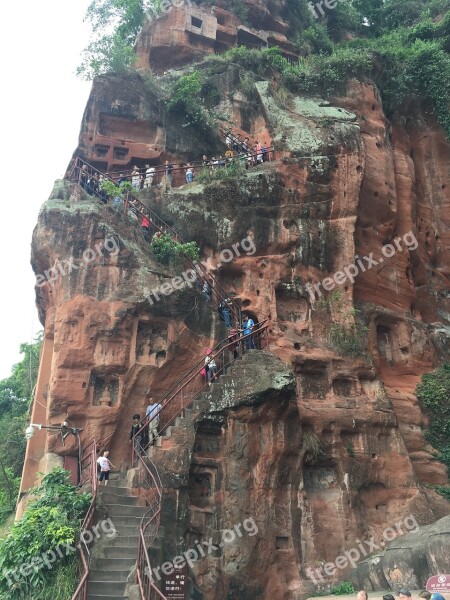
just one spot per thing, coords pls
(345, 182)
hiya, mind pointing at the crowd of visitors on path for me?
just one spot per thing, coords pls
(238, 151)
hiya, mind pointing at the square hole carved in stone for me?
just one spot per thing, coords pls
(282, 543)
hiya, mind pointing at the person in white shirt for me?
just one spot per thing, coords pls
(105, 467)
(153, 411)
(210, 366)
(149, 174)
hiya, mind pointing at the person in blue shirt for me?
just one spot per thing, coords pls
(247, 327)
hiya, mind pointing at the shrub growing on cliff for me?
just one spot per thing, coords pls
(187, 103)
(343, 588)
(172, 253)
(51, 520)
(235, 168)
(433, 394)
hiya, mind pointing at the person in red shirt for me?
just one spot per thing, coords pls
(145, 226)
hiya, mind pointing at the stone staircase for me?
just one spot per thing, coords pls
(114, 557)
(182, 432)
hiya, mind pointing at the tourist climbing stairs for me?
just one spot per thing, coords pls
(107, 571)
(80, 168)
(114, 555)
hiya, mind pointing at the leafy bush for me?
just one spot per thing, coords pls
(171, 253)
(343, 588)
(433, 394)
(117, 191)
(351, 452)
(443, 490)
(51, 520)
(187, 102)
(110, 54)
(314, 40)
(185, 92)
(235, 168)
(258, 62)
(348, 339)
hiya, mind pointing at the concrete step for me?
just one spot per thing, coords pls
(115, 490)
(124, 541)
(119, 485)
(111, 499)
(116, 475)
(103, 597)
(127, 526)
(111, 576)
(122, 551)
(108, 589)
(125, 510)
(113, 565)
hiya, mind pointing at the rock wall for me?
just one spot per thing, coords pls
(338, 455)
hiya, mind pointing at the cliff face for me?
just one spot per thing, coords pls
(345, 182)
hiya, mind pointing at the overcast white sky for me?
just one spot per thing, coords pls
(41, 108)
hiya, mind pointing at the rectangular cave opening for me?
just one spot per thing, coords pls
(208, 438)
(196, 22)
(282, 542)
(120, 153)
(101, 151)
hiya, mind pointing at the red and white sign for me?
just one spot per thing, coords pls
(439, 584)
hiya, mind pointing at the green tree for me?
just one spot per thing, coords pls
(16, 393)
(115, 25)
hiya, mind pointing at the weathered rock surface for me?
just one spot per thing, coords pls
(322, 445)
(405, 561)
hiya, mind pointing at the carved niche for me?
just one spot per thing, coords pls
(151, 344)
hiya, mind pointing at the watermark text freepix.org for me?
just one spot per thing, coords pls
(330, 4)
(165, 7)
(64, 267)
(205, 548)
(47, 559)
(349, 272)
(363, 549)
(188, 277)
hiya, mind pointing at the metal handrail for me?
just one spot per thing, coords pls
(148, 527)
(162, 169)
(181, 398)
(89, 459)
(132, 203)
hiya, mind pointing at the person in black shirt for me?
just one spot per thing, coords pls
(138, 439)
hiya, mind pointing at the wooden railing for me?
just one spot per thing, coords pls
(88, 470)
